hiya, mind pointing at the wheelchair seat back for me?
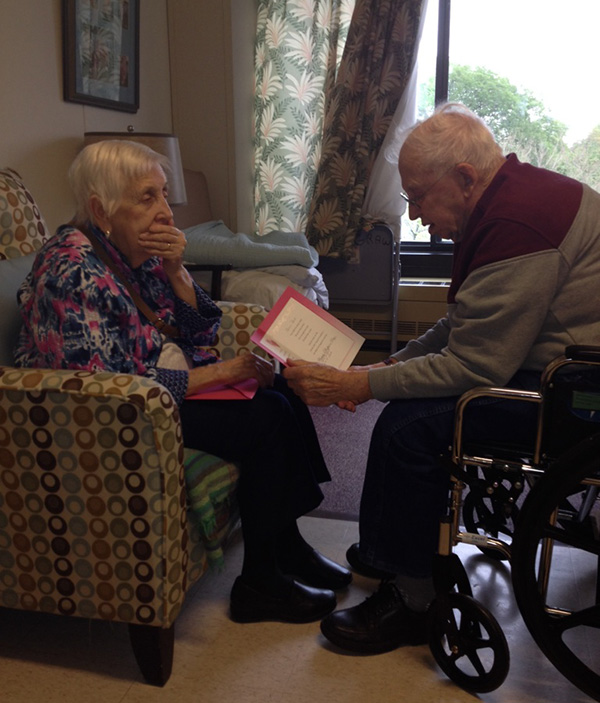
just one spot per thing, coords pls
(570, 408)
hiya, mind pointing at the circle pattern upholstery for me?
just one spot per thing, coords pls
(95, 492)
(238, 323)
(84, 489)
(22, 227)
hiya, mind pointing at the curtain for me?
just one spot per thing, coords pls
(376, 67)
(382, 201)
(297, 54)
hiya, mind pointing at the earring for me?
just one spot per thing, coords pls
(107, 233)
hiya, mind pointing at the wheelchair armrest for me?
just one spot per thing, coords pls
(483, 392)
(495, 392)
(583, 352)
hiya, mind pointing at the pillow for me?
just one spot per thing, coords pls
(214, 243)
(12, 273)
(300, 275)
(22, 227)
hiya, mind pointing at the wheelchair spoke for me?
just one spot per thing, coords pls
(476, 661)
(485, 516)
(470, 632)
(471, 644)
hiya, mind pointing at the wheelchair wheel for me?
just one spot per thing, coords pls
(568, 633)
(467, 643)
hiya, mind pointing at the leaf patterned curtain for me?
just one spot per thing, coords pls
(378, 58)
(297, 52)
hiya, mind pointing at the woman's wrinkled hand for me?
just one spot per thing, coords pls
(163, 239)
(249, 366)
(232, 371)
(166, 241)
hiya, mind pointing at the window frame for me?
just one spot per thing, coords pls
(433, 259)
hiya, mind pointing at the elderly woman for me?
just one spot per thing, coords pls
(109, 292)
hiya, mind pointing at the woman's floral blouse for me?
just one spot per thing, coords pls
(77, 315)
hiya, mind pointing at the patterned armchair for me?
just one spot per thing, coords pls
(103, 512)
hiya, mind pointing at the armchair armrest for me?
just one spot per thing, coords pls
(239, 322)
(91, 466)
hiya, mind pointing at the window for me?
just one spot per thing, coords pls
(423, 255)
(526, 68)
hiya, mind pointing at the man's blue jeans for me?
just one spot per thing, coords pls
(405, 491)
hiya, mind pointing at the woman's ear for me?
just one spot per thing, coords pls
(99, 217)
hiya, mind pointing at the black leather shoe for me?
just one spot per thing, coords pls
(379, 624)
(300, 604)
(358, 565)
(316, 570)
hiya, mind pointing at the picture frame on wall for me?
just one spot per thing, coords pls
(101, 41)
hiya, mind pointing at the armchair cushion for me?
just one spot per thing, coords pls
(210, 487)
(238, 323)
(12, 274)
(22, 227)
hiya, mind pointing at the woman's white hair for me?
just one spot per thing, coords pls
(452, 135)
(106, 169)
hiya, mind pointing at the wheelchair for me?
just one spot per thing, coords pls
(529, 507)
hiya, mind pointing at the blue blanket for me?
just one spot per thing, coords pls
(213, 243)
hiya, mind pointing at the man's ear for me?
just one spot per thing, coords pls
(468, 177)
(98, 213)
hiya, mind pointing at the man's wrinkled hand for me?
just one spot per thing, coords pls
(322, 385)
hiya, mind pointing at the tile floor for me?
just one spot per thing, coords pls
(64, 660)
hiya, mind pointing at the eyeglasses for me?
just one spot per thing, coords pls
(417, 202)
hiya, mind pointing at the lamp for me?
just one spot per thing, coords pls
(165, 144)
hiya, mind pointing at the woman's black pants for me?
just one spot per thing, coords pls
(273, 439)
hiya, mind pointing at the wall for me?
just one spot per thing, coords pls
(212, 47)
(40, 133)
(243, 23)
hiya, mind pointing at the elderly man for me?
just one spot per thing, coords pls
(524, 285)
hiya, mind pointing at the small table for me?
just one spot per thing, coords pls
(216, 278)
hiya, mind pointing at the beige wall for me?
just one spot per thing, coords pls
(243, 23)
(212, 58)
(201, 90)
(40, 133)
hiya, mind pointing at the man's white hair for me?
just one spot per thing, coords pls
(452, 135)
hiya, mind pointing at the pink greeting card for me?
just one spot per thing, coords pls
(296, 328)
(244, 390)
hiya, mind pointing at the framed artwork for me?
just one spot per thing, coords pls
(101, 41)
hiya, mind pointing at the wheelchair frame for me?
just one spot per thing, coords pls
(460, 627)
